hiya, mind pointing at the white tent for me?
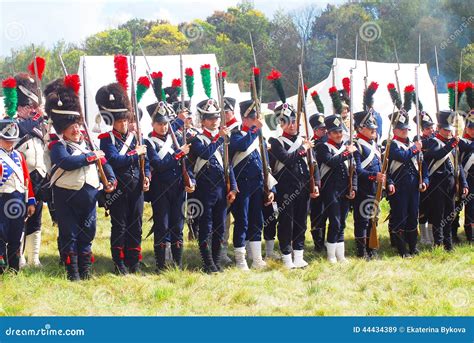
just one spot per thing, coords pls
(383, 74)
(100, 71)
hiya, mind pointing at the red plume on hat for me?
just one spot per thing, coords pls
(40, 65)
(73, 82)
(121, 70)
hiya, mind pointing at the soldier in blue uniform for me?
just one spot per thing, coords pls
(440, 153)
(31, 144)
(75, 182)
(317, 214)
(426, 229)
(17, 198)
(211, 188)
(292, 190)
(333, 159)
(126, 202)
(403, 175)
(167, 189)
(467, 161)
(369, 174)
(244, 151)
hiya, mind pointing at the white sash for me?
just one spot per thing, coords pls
(200, 162)
(16, 169)
(165, 146)
(395, 165)
(125, 145)
(324, 167)
(293, 147)
(241, 155)
(373, 151)
(437, 164)
(76, 151)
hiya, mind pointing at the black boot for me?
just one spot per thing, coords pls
(318, 239)
(160, 254)
(209, 266)
(177, 252)
(3, 265)
(84, 263)
(132, 260)
(118, 258)
(14, 262)
(371, 253)
(360, 248)
(401, 245)
(393, 239)
(216, 253)
(72, 268)
(468, 231)
(412, 238)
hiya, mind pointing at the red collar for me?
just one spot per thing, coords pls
(361, 136)
(245, 128)
(230, 122)
(330, 141)
(287, 135)
(209, 135)
(467, 136)
(118, 134)
(154, 134)
(316, 137)
(400, 139)
(441, 138)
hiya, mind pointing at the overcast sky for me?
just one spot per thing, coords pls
(26, 22)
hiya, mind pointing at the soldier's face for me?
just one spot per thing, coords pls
(121, 125)
(7, 145)
(369, 133)
(402, 133)
(73, 133)
(470, 132)
(336, 136)
(160, 128)
(229, 115)
(445, 133)
(321, 132)
(289, 126)
(428, 131)
(211, 124)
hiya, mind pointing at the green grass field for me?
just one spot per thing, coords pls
(434, 283)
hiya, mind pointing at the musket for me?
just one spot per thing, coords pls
(335, 63)
(261, 142)
(418, 122)
(63, 66)
(37, 79)
(373, 237)
(351, 120)
(456, 128)
(134, 102)
(302, 110)
(220, 96)
(435, 81)
(366, 77)
(109, 187)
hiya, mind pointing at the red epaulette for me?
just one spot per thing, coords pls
(50, 145)
(104, 135)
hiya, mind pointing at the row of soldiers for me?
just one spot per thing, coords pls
(179, 165)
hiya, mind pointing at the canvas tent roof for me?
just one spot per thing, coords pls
(383, 74)
(100, 71)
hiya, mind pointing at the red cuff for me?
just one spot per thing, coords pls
(302, 152)
(455, 144)
(178, 155)
(372, 177)
(103, 160)
(91, 157)
(131, 153)
(345, 153)
(415, 151)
